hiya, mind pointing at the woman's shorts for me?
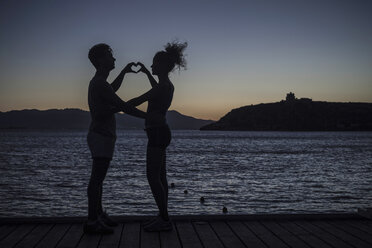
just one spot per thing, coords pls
(158, 136)
(101, 146)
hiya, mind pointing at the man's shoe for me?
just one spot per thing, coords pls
(159, 225)
(97, 227)
(107, 220)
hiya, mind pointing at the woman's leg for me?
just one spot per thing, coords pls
(163, 175)
(100, 208)
(99, 170)
(153, 170)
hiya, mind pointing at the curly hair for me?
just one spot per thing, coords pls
(98, 51)
(173, 55)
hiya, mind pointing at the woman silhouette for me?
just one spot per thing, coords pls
(159, 135)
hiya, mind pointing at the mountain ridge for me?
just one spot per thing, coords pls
(73, 118)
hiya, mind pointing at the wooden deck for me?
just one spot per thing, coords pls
(323, 230)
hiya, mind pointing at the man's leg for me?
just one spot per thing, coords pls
(99, 170)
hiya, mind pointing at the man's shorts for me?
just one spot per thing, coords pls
(101, 146)
(158, 136)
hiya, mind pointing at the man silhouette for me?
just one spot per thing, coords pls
(103, 104)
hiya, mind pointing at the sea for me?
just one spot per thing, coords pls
(46, 173)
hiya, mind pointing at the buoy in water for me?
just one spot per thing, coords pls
(224, 210)
(172, 185)
(202, 199)
(185, 191)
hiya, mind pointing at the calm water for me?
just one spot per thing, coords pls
(45, 173)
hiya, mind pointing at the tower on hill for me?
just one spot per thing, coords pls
(290, 97)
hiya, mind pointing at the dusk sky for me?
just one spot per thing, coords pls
(239, 53)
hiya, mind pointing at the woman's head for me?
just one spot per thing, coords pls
(172, 57)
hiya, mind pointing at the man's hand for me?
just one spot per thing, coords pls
(119, 79)
(128, 68)
(131, 102)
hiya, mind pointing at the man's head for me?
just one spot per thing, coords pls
(101, 57)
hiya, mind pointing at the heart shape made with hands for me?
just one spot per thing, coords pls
(136, 67)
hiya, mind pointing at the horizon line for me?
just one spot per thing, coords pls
(283, 100)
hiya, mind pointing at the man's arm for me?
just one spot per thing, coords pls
(143, 98)
(130, 110)
(118, 104)
(119, 79)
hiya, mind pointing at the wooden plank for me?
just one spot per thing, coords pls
(366, 223)
(170, 239)
(53, 236)
(284, 235)
(352, 230)
(34, 236)
(245, 235)
(130, 237)
(149, 239)
(90, 240)
(347, 232)
(342, 235)
(265, 235)
(188, 236)
(16, 236)
(206, 234)
(304, 235)
(6, 230)
(2, 227)
(111, 241)
(72, 237)
(227, 237)
(320, 233)
(366, 212)
(357, 225)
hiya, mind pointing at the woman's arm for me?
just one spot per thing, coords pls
(143, 98)
(148, 74)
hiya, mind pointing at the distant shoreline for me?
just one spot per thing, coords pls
(294, 114)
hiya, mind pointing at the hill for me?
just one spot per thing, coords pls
(297, 115)
(80, 119)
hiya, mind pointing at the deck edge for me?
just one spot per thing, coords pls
(226, 217)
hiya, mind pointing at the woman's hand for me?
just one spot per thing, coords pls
(143, 68)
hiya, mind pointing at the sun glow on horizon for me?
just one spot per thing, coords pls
(239, 52)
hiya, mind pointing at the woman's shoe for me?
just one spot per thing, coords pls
(159, 225)
(107, 220)
(96, 227)
(148, 222)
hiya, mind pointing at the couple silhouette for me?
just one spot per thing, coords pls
(104, 103)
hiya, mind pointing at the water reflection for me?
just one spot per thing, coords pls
(249, 172)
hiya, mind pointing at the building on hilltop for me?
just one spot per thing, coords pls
(290, 97)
